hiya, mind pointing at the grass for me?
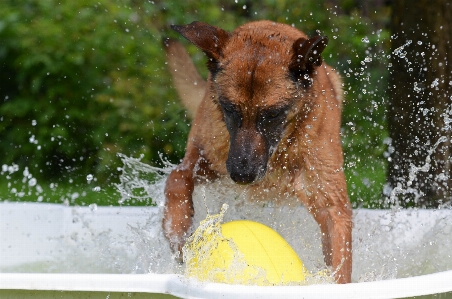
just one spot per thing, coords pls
(365, 181)
(365, 184)
(69, 194)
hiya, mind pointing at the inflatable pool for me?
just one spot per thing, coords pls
(57, 251)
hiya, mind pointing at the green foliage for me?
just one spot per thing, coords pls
(84, 80)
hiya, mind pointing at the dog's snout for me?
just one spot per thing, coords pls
(247, 159)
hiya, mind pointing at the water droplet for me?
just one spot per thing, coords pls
(39, 189)
(435, 83)
(32, 182)
(365, 39)
(26, 173)
(33, 140)
(416, 87)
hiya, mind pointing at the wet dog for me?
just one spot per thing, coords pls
(268, 117)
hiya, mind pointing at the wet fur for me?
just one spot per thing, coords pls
(270, 118)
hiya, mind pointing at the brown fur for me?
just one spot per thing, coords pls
(270, 118)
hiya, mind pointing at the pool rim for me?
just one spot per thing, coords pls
(180, 286)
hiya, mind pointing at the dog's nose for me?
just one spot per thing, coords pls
(242, 178)
(242, 170)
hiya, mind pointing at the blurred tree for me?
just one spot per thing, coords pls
(420, 108)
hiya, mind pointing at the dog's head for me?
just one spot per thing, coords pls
(261, 74)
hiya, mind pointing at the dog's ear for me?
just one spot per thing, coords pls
(209, 39)
(306, 57)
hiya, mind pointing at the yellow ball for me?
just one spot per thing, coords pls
(261, 257)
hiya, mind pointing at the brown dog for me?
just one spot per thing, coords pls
(269, 116)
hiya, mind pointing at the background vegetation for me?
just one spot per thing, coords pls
(81, 81)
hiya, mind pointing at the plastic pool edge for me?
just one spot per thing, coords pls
(176, 285)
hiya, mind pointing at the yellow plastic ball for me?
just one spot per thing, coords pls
(261, 257)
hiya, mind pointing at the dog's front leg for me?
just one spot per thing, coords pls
(178, 212)
(332, 211)
(340, 231)
(336, 228)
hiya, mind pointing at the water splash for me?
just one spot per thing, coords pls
(141, 182)
(386, 244)
(201, 244)
(401, 53)
(412, 176)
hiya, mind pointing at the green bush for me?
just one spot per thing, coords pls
(82, 82)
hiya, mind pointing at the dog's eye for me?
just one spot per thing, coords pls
(228, 108)
(232, 115)
(274, 114)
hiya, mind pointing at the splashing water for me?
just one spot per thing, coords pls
(155, 255)
(412, 176)
(134, 181)
(201, 244)
(386, 244)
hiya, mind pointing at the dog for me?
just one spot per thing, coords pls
(268, 117)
